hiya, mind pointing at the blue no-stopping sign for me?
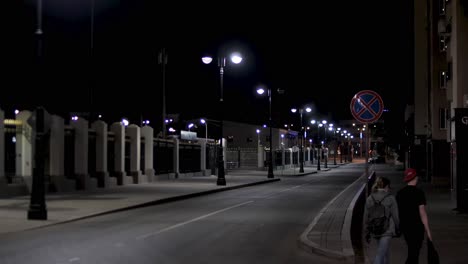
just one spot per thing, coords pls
(367, 106)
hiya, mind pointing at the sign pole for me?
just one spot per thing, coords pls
(367, 107)
(367, 148)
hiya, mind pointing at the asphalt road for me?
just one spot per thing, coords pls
(257, 224)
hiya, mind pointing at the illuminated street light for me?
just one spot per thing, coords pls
(261, 91)
(301, 152)
(236, 59)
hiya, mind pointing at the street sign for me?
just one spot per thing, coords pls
(367, 106)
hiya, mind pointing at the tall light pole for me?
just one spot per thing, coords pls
(203, 121)
(313, 122)
(162, 59)
(270, 124)
(235, 58)
(301, 152)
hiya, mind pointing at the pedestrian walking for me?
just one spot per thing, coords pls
(381, 219)
(414, 221)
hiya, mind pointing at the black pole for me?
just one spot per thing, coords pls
(334, 155)
(37, 207)
(341, 153)
(163, 61)
(270, 163)
(221, 178)
(325, 157)
(318, 158)
(301, 142)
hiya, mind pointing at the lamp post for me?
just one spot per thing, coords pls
(235, 58)
(270, 124)
(301, 153)
(313, 122)
(203, 121)
(324, 122)
(162, 59)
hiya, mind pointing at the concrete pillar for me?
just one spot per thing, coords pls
(176, 158)
(203, 156)
(56, 156)
(3, 182)
(147, 133)
(224, 155)
(133, 132)
(291, 164)
(83, 179)
(119, 153)
(260, 156)
(24, 148)
(283, 156)
(102, 174)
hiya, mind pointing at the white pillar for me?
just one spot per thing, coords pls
(176, 158)
(56, 156)
(3, 182)
(260, 156)
(203, 156)
(283, 156)
(119, 153)
(147, 133)
(24, 148)
(133, 132)
(84, 181)
(102, 174)
(224, 154)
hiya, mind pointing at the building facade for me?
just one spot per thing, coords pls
(440, 92)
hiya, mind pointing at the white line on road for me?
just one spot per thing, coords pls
(285, 190)
(190, 221)
(74, 259)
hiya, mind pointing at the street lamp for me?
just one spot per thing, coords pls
(301, 153)
(190, 126)
(162, 59)
(203, 121)
(261, 91)
(235, 58)
(313, 122)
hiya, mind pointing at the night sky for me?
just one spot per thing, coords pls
(320, 53)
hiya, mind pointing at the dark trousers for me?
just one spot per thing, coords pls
(414, 239)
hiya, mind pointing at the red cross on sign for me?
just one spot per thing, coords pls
(367, 106)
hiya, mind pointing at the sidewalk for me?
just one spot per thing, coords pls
(329, 234)
(449, 230)
(72, 206)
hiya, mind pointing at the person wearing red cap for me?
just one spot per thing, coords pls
(413, 217)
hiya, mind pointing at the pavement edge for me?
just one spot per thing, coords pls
(151, 203)
(347, 254)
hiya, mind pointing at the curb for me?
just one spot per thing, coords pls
(348, 252)
(300, 174)
(151, 203)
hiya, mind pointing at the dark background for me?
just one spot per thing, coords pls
(320, 53)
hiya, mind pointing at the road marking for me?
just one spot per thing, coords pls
(285, 190)
(74, 259)
(190, 221)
